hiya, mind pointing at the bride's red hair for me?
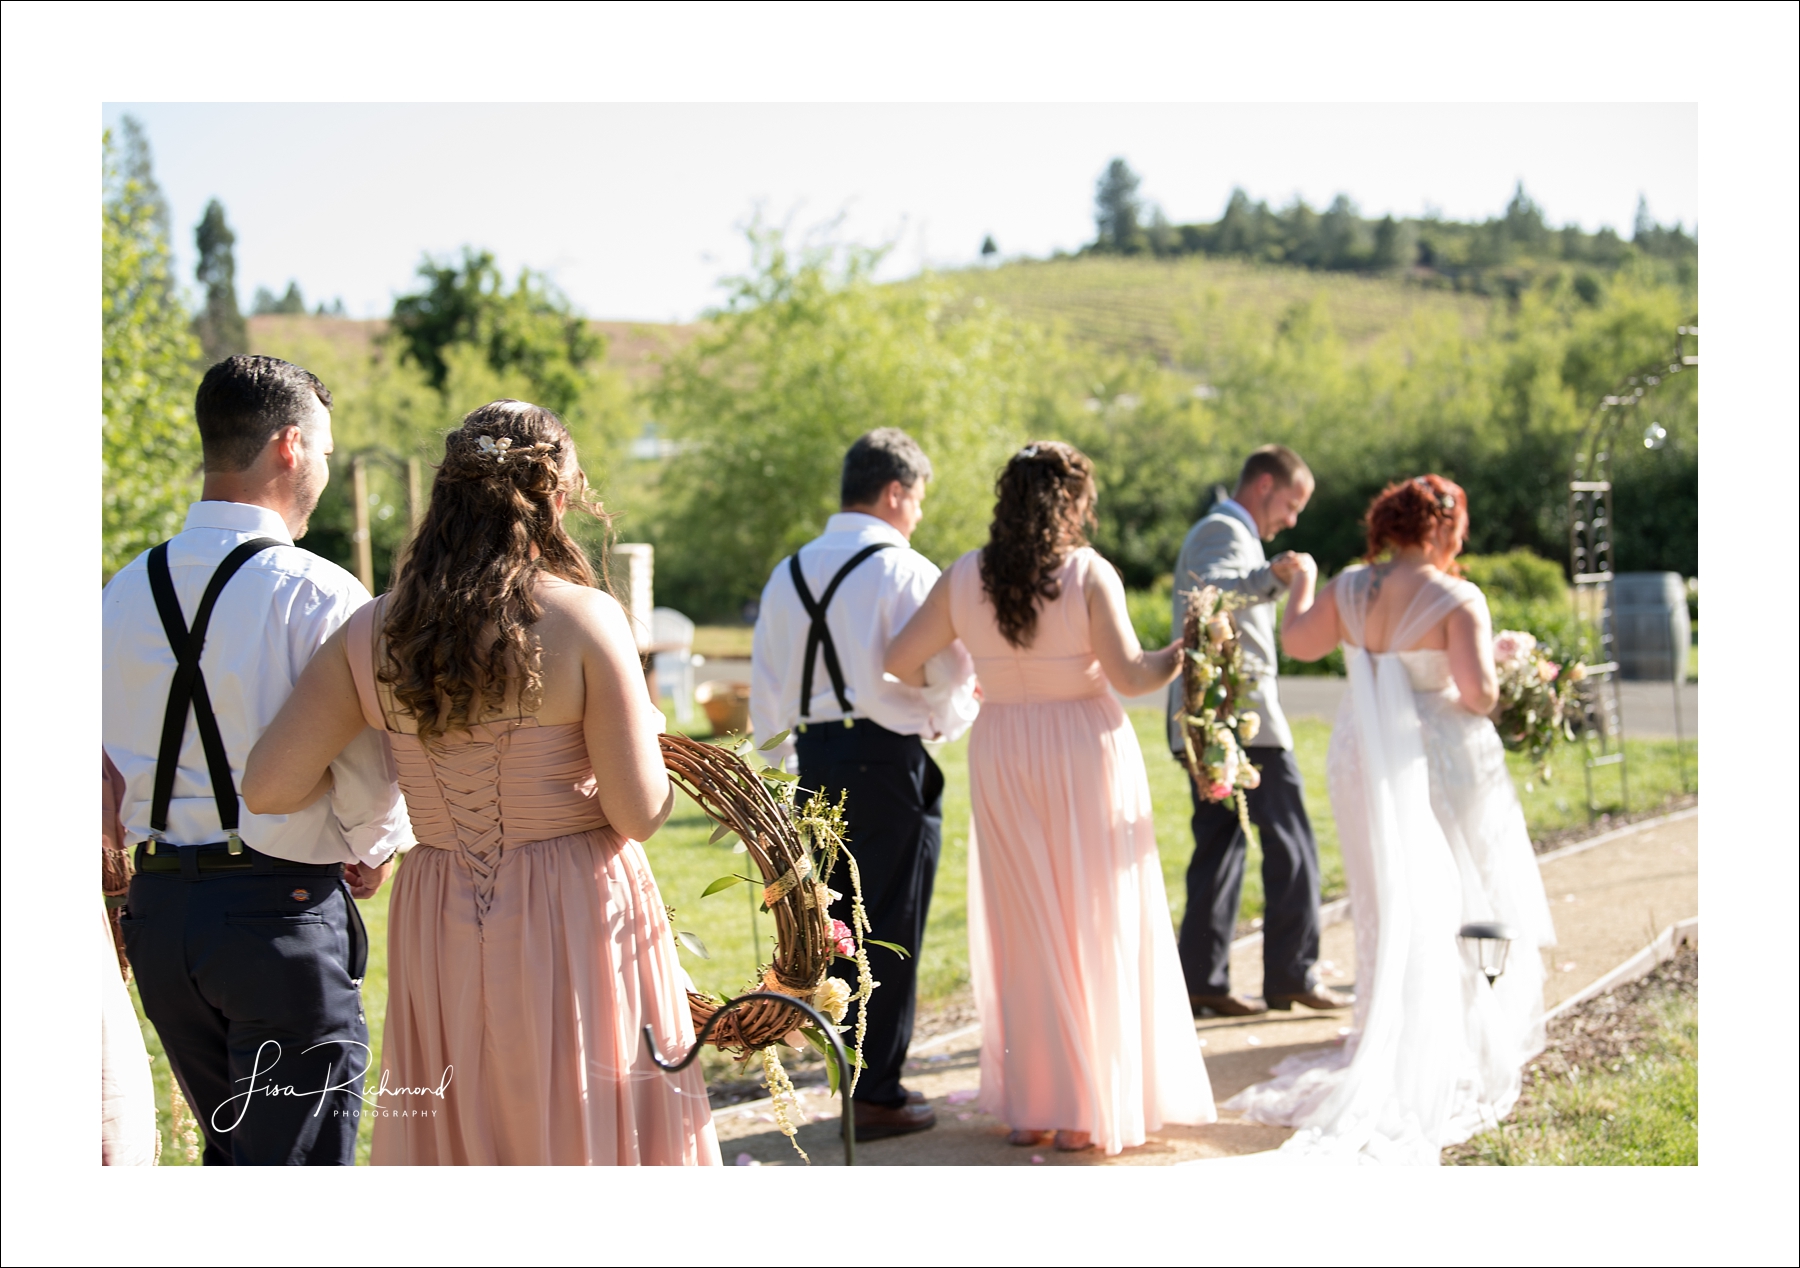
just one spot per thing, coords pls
(1408, 512)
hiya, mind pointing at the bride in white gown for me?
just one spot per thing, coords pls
(1432, 837)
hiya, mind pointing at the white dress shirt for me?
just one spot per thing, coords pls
(277, 610)
(870, 608)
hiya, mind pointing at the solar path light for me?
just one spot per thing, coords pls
(1492, 941)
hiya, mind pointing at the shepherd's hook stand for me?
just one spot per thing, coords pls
(825, 1028)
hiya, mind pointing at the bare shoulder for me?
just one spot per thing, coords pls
(577, 608)
(1096, 573)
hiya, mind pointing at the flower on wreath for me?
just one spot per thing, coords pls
(1250, 777)
(1248, 725)
(1218, 792)
(1577, 672)
(1218, 629)
(842, 939)
(833, 998)
(1548, 670)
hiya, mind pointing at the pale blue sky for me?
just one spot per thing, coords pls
(634, 210)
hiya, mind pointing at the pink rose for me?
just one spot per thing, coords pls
(1548, 670)
(1511, 644)
(1218, 792)
(845, 940)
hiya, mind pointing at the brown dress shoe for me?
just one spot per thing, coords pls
(1025, 1137)
(878, 1122)
(1225, 1006)
(914, 1097)
(1074, 1142)
(1320, 997)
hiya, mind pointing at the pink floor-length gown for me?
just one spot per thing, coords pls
(1084, 1011)
(528, 947)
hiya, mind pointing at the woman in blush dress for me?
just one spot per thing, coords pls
(528, 946)
(1086, 1027)
(1432, 837)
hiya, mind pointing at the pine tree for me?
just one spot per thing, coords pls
(220, 325)
(1116, 209)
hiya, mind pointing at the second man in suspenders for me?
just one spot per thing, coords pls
(827, 615)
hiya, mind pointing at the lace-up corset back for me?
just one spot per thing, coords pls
(498, 786)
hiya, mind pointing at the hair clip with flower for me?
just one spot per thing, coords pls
(1029, 451)
(1444, 500)
(495, 449)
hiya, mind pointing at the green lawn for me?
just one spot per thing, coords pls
(738, 939)
(1641, 1111)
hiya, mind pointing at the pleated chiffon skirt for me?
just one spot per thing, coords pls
(1086, 1024)
(515, 1037)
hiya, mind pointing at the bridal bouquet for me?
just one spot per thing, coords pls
(1537, 697)
(796, 846)
(1217, 725)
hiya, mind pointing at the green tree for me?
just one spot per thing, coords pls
(531, 329)
(1116, 209)
(220, 326)
(150, 451)
(292, 303)
(807, 355)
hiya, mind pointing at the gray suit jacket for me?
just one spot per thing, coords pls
(1222, 551)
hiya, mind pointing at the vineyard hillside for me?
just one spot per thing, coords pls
(1150, 307)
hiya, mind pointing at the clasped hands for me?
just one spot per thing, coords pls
(1289, 564)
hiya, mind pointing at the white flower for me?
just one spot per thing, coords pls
(832, 998)
(1248, 725)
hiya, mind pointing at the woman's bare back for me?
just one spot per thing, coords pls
(1393, 588)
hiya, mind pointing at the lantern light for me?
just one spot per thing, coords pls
(1492, 940)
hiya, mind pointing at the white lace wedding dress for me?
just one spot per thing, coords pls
(1432, 837)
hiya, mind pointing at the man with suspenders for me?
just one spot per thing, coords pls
(247, 949)
(827, 615)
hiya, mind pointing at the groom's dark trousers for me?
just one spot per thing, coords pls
(248, 969)
(894, 812)
(1290, 874)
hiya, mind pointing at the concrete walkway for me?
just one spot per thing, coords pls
(1647, 709)
(1609, 900)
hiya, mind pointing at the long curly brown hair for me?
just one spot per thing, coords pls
(1408, 512)
(1046, 499)
(459, 615)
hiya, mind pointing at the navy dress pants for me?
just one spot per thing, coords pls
(894, 812)
(247, 978)
(1290, 875)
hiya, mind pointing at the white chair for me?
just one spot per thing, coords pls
(675, 666)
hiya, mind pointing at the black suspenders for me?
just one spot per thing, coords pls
(189, 690)
(820, 635)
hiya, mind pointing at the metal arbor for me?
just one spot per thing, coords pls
(1591, 555)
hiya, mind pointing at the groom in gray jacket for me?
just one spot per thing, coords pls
(1225, 550)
